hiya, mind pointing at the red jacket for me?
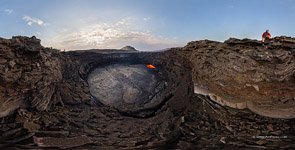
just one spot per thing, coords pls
(266, 34)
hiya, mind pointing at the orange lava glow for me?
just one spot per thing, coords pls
(150, 66)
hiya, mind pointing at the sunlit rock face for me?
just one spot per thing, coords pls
(115, 85)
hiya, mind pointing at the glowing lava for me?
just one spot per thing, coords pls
(150, 66)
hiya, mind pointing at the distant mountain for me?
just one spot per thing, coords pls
(128, 48)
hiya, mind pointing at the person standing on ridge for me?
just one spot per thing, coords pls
(266, 38)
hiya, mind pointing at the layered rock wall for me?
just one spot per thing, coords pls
(243, 74)
(29, 74)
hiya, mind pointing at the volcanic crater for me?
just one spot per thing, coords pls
(129, 88)
(198, 96)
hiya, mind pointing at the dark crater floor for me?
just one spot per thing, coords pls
(117, 84)
(127, 87)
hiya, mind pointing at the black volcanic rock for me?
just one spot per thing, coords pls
(29, 74)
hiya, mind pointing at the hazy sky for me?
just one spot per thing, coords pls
(144, 24)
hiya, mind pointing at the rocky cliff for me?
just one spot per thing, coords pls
(110, 100)
(242, 74)
(29, 73)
